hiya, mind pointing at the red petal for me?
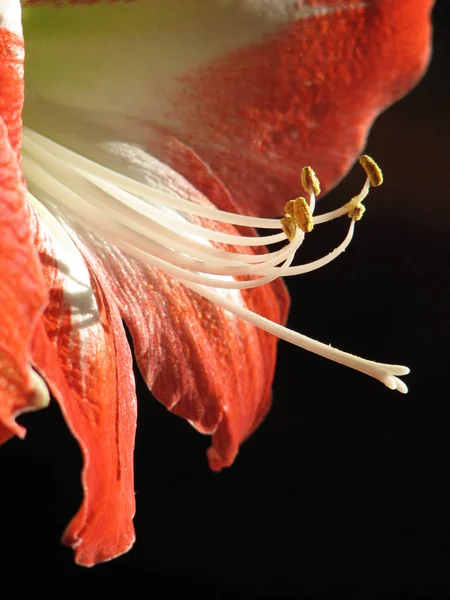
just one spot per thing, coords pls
(23, 290)
(305, 95)
(81, 349)
(11, 85)
(22, 294)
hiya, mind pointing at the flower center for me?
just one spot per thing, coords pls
(181, 237)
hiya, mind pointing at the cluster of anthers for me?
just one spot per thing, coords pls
(157, 228)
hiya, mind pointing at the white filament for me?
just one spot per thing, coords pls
(163, 231)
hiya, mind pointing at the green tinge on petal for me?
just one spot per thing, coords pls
(127, 58)
(73, 48)
(105, 17)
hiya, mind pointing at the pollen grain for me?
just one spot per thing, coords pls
(299, 210)
(310, 181)
(288, 226)
(372, 170)
(355, 209)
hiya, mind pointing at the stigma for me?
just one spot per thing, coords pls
(179, 236)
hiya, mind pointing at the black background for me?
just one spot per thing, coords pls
(344, 491)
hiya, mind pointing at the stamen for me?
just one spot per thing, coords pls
(372, 170)
(330, 216)
(321, 262)
(31, 139)
(355, 209)
(93, 218)
(141, 208)
(140, 221)
(185, 275)
(289, 227)
(299, 210)
(310, 181)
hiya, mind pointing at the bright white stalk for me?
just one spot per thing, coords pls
(140, 189)
(125, 203)
(185, 275)
(157, 229)
(387, 374)
(92, 217)
(143, 250)
(321, 262)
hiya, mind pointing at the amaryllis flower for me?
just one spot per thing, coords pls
(155, 136)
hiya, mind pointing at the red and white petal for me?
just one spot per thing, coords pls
(23, 295)
(243, 92)
(306, 94)
(81, 349)
(202, 362)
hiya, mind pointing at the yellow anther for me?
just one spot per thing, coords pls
(288, 226)
(355, 209)
(299, 210)
(372, 170)
(310, 181)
